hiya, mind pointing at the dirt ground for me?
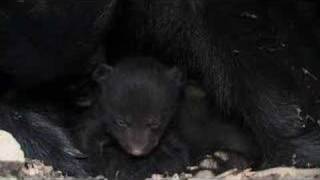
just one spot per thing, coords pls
(34, 169)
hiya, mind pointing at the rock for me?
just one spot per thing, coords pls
(10, 149)
(10, 169)
(222, 155)
(157, 177)
(205, 174)
(209, 164)
(37, 168)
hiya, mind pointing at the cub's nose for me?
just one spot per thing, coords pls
(137, 152)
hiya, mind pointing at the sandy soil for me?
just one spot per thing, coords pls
(34, 169)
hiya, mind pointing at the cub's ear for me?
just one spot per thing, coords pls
(101, 72)
(175, 75)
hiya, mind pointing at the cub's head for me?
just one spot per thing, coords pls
(137, 101)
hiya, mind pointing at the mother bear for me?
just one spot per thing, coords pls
(188, 33)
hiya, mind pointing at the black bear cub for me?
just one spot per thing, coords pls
(205, 129)
(137, 101)
(132, 128)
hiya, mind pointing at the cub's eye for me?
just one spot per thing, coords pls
(120, 120)
(121, 123)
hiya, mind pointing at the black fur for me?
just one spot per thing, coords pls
(203, 128)
(170, 156)
(41, 139)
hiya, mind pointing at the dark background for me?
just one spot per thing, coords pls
(284, 29)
